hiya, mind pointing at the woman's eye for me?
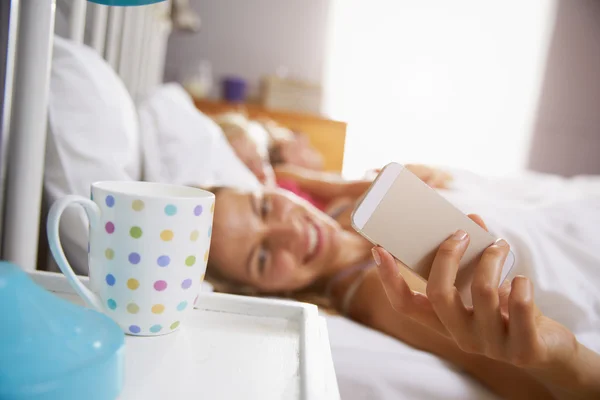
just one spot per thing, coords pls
(262, 259)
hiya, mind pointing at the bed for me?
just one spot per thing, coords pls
(369, 365)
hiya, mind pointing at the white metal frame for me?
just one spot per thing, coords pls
(9, 14)
(77, 21)
(99, 27)
(27, 143)
(132, 40)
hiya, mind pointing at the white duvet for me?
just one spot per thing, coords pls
(553, 226)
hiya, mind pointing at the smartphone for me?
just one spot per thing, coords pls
(409, 219)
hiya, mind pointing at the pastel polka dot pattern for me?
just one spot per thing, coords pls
(133, 284)
(134, 258)
(133, 308)
(110, 280)
(158, 309)
(166, 235)
(163, 261)
(135, 232)
(186, 284)
(170, 210)
(190, 260)
(137, 205)
(150, 276)
(110, 201)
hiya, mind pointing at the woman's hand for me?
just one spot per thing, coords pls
(434, 177)
(504, 323)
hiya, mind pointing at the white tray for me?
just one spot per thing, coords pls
(230, 347)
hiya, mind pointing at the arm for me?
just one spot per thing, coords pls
(372, 308)
(329, 186)
(322, 184)
(503, 326)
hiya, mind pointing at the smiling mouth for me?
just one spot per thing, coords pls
(314, 241)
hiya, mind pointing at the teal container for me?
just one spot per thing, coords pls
(51, 349)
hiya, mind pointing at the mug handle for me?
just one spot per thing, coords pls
(93, 213)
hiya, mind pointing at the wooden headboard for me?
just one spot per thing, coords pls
(327, 136)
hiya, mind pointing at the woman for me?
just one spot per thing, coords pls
(284, 245)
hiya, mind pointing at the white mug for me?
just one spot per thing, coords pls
(148, 251)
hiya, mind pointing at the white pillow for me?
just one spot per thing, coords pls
(93, 136)
(261, 137)
(183, 146)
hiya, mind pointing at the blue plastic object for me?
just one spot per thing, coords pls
(52, 349)
(125, 2)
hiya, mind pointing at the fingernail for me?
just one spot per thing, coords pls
(501, 243)
(376, 256)
(524, 284)
(459, 235)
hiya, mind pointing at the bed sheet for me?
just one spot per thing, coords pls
(372, 366)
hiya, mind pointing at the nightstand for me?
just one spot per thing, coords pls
(230, 347)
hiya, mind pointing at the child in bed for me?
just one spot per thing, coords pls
(328, 192)
(518, 345)
(287, 147)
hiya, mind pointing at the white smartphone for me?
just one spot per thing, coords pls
(410, 220)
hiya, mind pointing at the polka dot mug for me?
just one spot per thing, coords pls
(148, 251)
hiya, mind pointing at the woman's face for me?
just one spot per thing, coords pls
(298, 151)
(272, 240)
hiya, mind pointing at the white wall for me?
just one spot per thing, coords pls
(435, 81)
(566, 137)
(252, 38)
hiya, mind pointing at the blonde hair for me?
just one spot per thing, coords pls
(233, 124)
(236, 125)
(223, 284)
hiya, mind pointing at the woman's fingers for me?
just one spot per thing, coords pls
(522, 328)
(403, 299)
(486, 300)
(444, 296)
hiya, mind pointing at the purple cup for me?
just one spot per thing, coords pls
(234, 89)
